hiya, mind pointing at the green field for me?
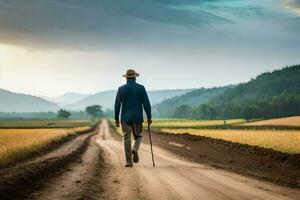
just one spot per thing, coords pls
(184, 123)
(44, 123)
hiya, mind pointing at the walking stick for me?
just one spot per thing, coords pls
(151, 145)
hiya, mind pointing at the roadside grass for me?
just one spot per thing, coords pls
(287, 141)
(183, 123)
(43, 123)
(286, 121)
(18, 144)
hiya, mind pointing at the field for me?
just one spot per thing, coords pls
(286, 121)
(47, 123)
(185, 123)
(17, 144)
(287, 141)
(182, 123)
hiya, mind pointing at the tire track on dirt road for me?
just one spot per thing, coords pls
(174, 178)
(27, 178)
(78, 180)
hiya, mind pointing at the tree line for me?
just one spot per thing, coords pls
(94, 111)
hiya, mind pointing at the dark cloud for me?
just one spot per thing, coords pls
(92, 15)
(38, 21)
(91, 24)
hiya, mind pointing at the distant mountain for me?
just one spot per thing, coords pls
(193, 98)
(66, 99)
(13, 102)
(106, 99)
(157, 96)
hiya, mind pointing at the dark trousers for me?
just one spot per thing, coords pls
(137, 130)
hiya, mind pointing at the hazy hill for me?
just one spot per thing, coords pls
(193, 98)
(283, 82)
(66, 99)
(13, 102)
(269, 95)
(106, 99)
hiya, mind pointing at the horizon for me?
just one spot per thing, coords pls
(162, 89)
(85, 47)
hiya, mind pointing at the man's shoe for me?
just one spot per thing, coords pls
(128, 165)
(135, 156)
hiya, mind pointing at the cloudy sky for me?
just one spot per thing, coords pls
(48, 47)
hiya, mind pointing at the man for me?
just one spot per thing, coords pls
(132, 97)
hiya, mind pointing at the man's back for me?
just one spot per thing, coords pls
(132, 97)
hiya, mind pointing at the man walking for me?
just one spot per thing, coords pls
(132, 98)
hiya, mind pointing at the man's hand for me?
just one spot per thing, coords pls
(117, 123)
(149, 122)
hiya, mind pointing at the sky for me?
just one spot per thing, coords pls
(49, 47)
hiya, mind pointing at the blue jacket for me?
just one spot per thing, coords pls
(133, 98)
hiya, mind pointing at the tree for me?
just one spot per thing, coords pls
(94, 111)
(205, 111)
(183, 111)
(63, 114)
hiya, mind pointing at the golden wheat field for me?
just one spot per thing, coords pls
(286, 121)
(17, 144)
(287, 141)
(160, 123)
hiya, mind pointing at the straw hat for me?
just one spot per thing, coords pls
(131, 74)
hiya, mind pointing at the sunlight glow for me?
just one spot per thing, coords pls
(9, 55)
(4, 54)
(293, 5)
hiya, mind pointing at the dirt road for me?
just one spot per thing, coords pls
(176, 179)
(99, 173)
